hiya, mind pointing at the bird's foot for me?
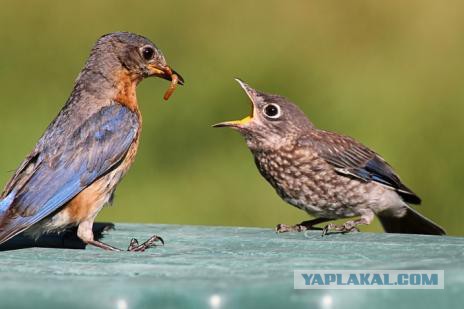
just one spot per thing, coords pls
(134, 245)
(301, 227)
(347, 227)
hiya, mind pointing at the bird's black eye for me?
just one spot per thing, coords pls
(148, 52)
(272, 111)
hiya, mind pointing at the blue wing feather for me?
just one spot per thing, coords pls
(94, 149)
(6, 202)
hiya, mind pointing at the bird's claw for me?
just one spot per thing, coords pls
(134, 245)
(347, 227)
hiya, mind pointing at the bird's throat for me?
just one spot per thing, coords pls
(126, 89)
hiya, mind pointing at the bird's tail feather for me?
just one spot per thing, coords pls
(411, 223)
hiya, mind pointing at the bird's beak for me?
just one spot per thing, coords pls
(242, 122)
(164, 72)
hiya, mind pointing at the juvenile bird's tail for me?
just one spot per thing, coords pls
(411, 223)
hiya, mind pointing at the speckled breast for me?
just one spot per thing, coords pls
(306, 181)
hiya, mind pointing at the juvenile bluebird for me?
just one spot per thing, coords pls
(328, 175)
(76, 165)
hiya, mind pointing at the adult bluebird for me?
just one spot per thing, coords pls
(76, 165)
(328, 175)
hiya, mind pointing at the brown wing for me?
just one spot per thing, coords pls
(352, 159)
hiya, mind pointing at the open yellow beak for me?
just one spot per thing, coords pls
(234, 123)
(244, 121)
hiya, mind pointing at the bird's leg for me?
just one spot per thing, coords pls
(303, 226)
(84, 232)
(349, 226)
(102, 245)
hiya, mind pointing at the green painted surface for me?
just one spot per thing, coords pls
(236, 267)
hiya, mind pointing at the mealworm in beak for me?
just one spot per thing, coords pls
(172, 86)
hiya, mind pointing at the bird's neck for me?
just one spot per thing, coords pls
(118, 86)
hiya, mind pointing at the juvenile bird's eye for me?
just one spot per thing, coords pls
(148, 52)
(272, 111)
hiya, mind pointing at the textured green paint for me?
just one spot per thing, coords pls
(245, 267)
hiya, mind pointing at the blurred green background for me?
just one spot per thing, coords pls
(388, 73)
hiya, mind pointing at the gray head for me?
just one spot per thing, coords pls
(274, 120)
(128, 52)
